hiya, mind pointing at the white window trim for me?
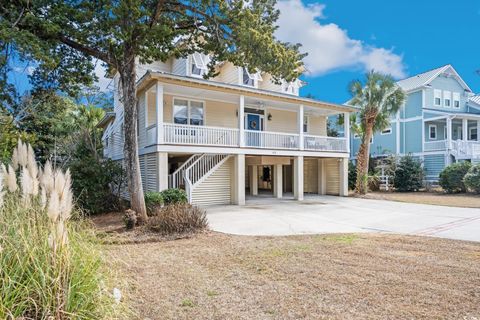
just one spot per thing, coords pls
(389, 131)
(430, 126)
(455, 98)
(200, 61)
(256, 77)
(447, 95)
(188, 109)
(470, 132)
(437, 94)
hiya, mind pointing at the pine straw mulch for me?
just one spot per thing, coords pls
(439, 198)
(365, 276)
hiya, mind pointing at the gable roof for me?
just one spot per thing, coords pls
(420, 80)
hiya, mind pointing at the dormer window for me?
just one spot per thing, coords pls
(199, 64)
(291, 87)
(250, 79)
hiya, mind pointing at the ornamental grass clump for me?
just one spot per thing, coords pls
(49, 265)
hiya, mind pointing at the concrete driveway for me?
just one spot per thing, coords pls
(328, 214)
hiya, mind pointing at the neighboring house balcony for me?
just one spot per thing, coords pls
(456, 134)
(195, 113)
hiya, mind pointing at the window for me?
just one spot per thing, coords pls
(387, 131)
(447, 99)
(305, 123)
(456, 100)
(199, 64)
(250, 79)
(445, 132)
(290, 87)
(188, 112)
(432, 129)
(472, 134)
(437, 98)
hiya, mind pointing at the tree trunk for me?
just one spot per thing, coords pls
(132, 163)
(363, 157)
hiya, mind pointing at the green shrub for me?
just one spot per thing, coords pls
(172, 196)
(178, 218)
(451, 178)
(153, 200)
(352, 175)
(373, 182)
(408, 174)
(472, 179)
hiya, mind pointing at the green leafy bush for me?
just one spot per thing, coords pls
(153, 200)
(352, 175)
(172, 196)
(472, 179)
(178, 218)
(451, 178)
(408, 174)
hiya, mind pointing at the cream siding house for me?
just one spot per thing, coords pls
(235, 134)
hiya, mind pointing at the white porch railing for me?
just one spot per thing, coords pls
(151, 134)
(271, 140)
(177, 179)
(323, 143)
(200, 135)
(466, 149)
(439, 145)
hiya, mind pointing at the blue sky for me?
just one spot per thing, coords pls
(346, 38)
(417, 36)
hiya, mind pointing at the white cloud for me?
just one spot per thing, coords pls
(329, 47)
(104, 83)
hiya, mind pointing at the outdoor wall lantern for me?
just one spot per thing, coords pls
(269, 117)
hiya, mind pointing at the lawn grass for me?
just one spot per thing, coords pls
(346, 276)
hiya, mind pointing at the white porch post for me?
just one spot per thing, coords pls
(478, 130)
(253, 171)
(449, 133)
(397, 135)
(464, 129)
(159, 111)
(239, 180)
(298, 178)
(346, 130)
(162, 172)
(278, 181)
(343, 167)
(241, 121)
(300, 126)
(322, 179)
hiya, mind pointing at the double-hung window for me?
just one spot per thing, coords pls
(437, 100)
(432, 132)
(188, 112)
(456, 100)
(472, 133)
(447, 99)
(291, 87)
(250, 79)
(200, 63)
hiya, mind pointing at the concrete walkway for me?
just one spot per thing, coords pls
(328, 214)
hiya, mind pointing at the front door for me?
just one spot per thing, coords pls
(253, 123)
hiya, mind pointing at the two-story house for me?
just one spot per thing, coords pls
(439, 122)
(234, 134)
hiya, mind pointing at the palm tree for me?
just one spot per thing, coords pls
(378, 99)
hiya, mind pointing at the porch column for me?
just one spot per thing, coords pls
(464, 129)
(253, 172)
(300, 126)
(241, 121)
(278, 181)
(298, 178)
(322, 179)
(449, 133)
(478, 130)
(346, 130)
(239, 180)
(162, 172)
(343, 167)
(159, 111)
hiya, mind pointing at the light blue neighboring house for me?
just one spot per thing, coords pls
(439, 123)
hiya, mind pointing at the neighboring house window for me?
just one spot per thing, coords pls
(432, 129)
(437, 98)
(188, 112)
(199, 64)
(250, 79)
(305, 123)
(387, 131)
(472, 134)
(456, 100)
(447, 99)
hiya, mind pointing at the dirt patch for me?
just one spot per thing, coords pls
(351, 276)
(434, 198)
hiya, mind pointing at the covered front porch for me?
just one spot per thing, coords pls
(457, 134)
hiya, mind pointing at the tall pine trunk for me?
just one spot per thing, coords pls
(363, 157)
(132, 163)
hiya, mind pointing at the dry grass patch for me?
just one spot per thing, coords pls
(435, 198)
(217, 276)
